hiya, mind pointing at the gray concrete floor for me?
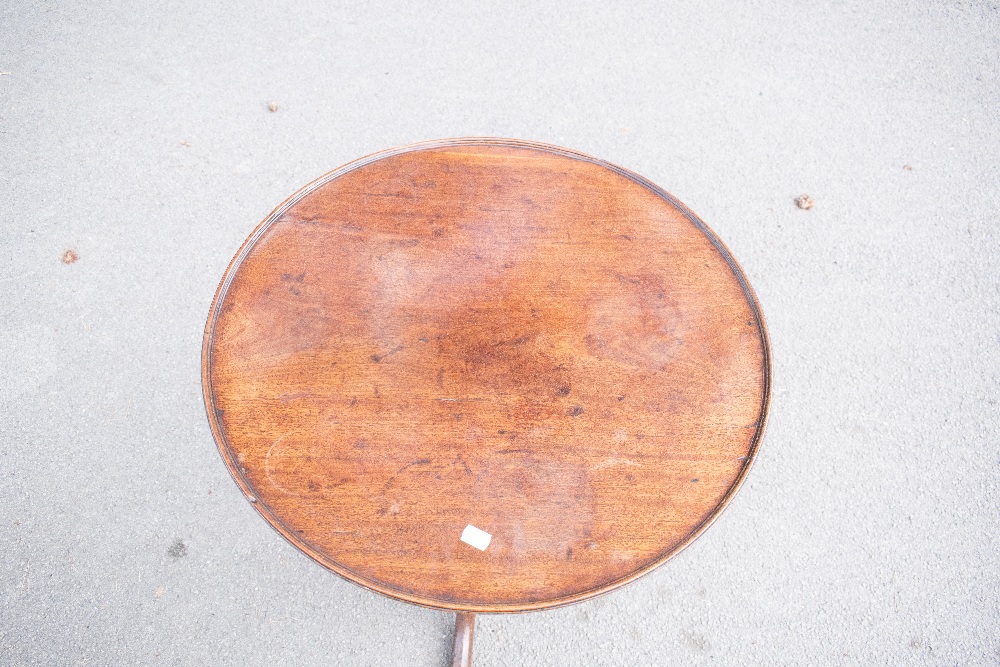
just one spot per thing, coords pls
(141, 139)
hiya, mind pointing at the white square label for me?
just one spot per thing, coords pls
(472, 536)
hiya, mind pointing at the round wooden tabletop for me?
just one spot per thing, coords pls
(486, 375)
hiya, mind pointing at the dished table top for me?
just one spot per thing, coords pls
(493, 333)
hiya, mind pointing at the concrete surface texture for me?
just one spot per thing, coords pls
(141, 139)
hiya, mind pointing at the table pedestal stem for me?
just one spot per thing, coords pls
(465, 627)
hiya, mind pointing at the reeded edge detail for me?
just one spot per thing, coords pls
(378, 587)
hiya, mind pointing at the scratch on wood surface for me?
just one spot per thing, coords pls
(267, 468)
(610, 462)
(379, 357)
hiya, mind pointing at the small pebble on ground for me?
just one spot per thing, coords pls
(178, 549)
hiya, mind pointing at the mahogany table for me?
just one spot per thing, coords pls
(486, 375)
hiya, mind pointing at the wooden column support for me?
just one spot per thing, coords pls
(465, 628)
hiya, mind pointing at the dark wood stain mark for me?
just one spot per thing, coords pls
(418, 462)
(377, 358)
(468, 470)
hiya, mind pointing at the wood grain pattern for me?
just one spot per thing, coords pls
(488, 332)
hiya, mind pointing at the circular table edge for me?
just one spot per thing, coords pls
(406, 596)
